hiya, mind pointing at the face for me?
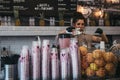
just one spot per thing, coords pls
(80, 24)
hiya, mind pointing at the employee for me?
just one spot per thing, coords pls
(78, 28)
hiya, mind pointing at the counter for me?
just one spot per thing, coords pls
(50, 30)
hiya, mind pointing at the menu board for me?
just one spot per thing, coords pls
(5, 6)
(67, 5)
(35, 7)
(73, 5)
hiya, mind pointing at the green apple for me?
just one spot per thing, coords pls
(93, 66)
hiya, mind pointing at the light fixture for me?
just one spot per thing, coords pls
(80, 9)
(86, 11)
(113, 1)
(98, 13)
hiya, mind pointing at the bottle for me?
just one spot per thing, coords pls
(17, 22)
(64, 63)
(50, 21)
(102, 45)
(5, 20)
(24, 63)
(36, 61)
(16, 16)
(53, 21)
(9, 21)
(45, 59)
(74, 58)
(31, 21)
(54, 63)
(61, 20)
(42, 21)
(101, 22)
(92, 20)
(107, 21)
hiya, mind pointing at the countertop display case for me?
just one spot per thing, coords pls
(14, 37)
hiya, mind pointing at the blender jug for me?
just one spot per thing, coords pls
(64, 40)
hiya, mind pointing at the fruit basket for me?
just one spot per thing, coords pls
(115, 48)
(97, 64)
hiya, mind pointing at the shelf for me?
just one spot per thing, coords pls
(29, 30)
(49, 30)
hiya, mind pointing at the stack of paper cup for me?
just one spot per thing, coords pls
(35, 60)
(24, 63)
(74, 57)
(102, 45)
(69, 71)
(64, 63)
(45, 59)
(54, 63)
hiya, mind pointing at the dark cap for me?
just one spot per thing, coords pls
(64, 35)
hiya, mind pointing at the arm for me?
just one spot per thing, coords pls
(96, 39)
(102, 37)
(63, 31)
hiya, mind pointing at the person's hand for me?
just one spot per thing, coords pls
(99, 30)
(70, 29)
